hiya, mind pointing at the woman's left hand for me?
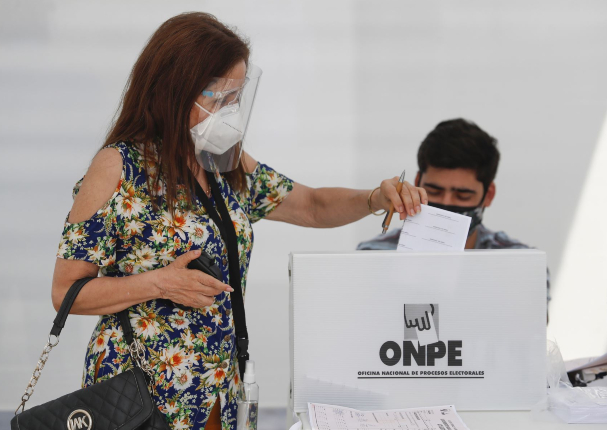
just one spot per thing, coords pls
(407, 202)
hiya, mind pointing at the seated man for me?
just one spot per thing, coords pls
(457, 165)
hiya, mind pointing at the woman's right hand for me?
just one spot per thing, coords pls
(188, 287)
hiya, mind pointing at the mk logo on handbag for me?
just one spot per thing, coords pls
(79, 420)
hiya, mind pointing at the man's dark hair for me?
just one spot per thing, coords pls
(460, 144)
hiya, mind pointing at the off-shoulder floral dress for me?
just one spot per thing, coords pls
(192, 352)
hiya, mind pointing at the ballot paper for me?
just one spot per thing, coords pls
(434, 229)
(328, 417)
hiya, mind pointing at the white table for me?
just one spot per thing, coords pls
(502, 420)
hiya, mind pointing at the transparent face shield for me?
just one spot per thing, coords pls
(224, 109)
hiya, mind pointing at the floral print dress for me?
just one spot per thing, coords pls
(193, 352)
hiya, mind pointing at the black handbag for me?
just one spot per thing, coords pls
(122, 402)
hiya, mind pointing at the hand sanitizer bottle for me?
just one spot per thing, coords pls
(248, 400)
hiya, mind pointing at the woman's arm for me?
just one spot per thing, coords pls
(334, 207)
(107, 294)
(322, 207)
(103, 295)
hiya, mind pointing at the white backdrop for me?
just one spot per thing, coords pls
(349, 90)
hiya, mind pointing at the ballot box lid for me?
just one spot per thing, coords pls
(386, 330)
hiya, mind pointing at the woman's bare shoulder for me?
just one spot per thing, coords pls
(98, 184)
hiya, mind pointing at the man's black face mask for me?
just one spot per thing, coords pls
(474, 212)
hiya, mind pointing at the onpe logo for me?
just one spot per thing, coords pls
(79, 420)
(420, 318)
(421, 343)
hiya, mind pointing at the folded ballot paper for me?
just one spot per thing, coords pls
(434, 229)
(329, 417)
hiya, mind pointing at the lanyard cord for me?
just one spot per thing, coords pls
(228, 234)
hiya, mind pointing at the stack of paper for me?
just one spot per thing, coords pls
(583, 405)
(329, 417)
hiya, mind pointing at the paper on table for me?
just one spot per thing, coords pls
(329, 417)
(434, 229)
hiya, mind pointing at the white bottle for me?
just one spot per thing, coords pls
(248, 400)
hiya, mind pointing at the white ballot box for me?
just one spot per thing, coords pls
(388, 330)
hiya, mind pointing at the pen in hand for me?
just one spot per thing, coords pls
(388, 218)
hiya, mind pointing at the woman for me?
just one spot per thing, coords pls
(136, 212)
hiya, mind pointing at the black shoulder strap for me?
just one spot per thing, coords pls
(66, 305)
(68, 302)
(228, 233)
(127, 328)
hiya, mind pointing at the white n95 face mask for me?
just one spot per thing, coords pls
(219, 132)
(224, 110)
